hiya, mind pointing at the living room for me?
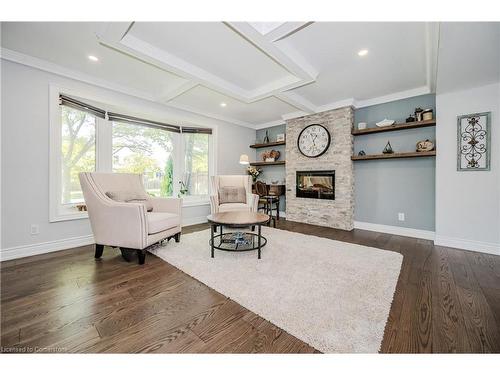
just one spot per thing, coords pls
(250, 187)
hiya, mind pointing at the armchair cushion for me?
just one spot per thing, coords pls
(131, 196)
(160, 221)
(232, 194)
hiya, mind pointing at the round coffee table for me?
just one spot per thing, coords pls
(237, 241)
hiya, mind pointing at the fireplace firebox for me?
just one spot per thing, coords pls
(315, 184)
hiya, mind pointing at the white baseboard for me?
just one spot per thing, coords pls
(460, 243)
(44, 247)
(400, 231)
(68, 243)
(194, 220)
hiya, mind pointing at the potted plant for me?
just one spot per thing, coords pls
(254, 172)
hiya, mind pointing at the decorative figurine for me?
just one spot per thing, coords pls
(418, 114)
(410, 118)
(388, 148)
(425, 146)
(361, 153)
(266, 138)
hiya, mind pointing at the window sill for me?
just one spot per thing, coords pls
(195, 203)
(68, 216)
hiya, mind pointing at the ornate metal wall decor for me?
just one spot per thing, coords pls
(473, 132)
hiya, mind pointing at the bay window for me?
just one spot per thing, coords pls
(173, 160)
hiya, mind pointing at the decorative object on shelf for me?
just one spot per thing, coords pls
(266, 138)
(395, 155)
(388, 148)
(410, 118)
(269, 160)
(425, 146)
(361, 153)
(362, 125)
(254, 172)
(418, 114)
(183, 189)
(313, 140)
(244, 159)
(81, 207)
(473, 148)
(280, 137)
(427, 114)
(273, 154)
(385, 122)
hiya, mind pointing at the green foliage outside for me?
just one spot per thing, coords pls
(136, 149)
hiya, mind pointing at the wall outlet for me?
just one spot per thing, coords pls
(35, 229)
(401, 216)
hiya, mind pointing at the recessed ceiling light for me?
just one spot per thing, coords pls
(363, 52)
(93, 58)
(223, 104)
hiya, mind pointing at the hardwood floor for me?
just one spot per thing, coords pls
(446, 300)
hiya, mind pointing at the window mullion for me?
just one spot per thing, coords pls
(104, 146)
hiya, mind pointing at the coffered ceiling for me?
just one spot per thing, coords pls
(250, 74)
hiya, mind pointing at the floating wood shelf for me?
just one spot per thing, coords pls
(403, 126)
(270, 144)
(398, 155)
(263, 163)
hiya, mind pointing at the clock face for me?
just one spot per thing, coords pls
(314, 140)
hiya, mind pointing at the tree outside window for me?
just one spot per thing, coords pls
(147, 151)
(78, 151)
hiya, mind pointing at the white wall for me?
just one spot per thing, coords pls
(467, 203)
(25, 156)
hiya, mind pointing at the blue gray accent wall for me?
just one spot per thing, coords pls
(384, 188)
(274, 172)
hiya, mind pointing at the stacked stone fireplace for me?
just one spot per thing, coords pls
(316, 205)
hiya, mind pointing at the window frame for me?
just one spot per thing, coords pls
(104, 151)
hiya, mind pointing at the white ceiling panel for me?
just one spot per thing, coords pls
(204, 100)
(215, 48)
(396, 59)
(69, 43)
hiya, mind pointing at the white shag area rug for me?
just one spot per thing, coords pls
(333, 295)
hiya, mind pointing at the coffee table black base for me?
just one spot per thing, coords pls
(220, 241)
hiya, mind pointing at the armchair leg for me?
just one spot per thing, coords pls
(98, 250)
(127, 253)
(177, 237)
(141, 254)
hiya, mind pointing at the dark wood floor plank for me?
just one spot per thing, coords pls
(479, 320)
(446, 300)
(450, 337)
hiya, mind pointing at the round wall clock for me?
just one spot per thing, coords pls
(313, 141)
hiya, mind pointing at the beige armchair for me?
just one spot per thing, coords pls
(128, 225)
(249, 201)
